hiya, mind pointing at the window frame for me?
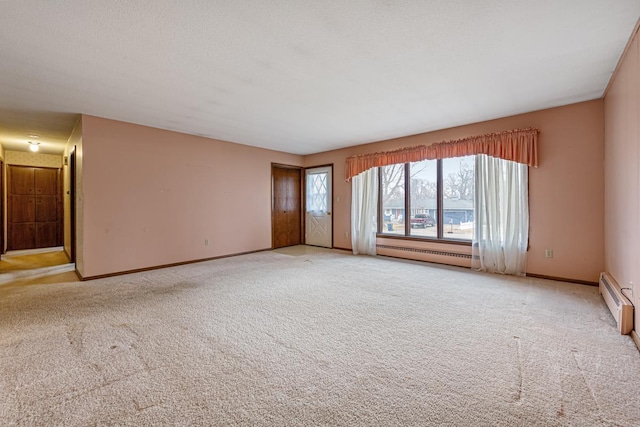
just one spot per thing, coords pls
(407, 209)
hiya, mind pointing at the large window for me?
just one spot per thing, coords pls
(431, 199)
(423, 200)
(392, 196)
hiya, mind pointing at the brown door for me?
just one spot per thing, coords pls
(22, 208)
(1, 208)
(72, 202)
(34, 219)
(47, 224)
(286, 206)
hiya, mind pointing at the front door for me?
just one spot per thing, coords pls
(319, 227)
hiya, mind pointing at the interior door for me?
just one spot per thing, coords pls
(47, 215)
(1, 208)
(286, 207)
(72, 204)
(318, 223)
(34, 220)
(22, 208)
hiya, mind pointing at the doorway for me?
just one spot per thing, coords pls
(35, 220)
(72, 204)
(1, 208)
(318, 206)
(286, 206)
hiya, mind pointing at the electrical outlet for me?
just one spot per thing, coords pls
(548, 253)
(346, 234)
(206, 242)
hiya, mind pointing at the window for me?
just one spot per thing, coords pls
(317, 192)
(457, 196)
(423, 203)
(392, 199)
(436, 194)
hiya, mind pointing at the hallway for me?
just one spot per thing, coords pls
(41, 266)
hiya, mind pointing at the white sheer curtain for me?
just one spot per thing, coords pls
(364, 212)
(501, 216)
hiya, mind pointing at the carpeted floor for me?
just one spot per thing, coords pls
(323, 338)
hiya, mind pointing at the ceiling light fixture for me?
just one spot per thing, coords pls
(33, 135)
(34, 146)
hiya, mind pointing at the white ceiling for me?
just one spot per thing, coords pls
(301, 76)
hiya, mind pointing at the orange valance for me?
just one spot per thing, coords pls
(518, 145)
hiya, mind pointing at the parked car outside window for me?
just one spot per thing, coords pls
(422, 221)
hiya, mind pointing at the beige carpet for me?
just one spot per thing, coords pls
(320, 339)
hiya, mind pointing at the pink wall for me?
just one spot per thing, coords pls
(151, 197)
(566, 191)
(622, 180)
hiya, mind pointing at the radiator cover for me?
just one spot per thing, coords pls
(619, 306)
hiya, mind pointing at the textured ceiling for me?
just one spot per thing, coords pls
(299, 76)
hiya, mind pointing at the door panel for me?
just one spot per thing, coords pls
(279, 217)
(46, 209)
(22, 180)
(46, 182)
(286, 211)
(23, 209)
(319, 226)
(46, 234)
(22, 236)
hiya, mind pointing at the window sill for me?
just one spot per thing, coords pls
(423, 239)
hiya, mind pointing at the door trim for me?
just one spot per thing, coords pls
(304, 200)
(301, 169)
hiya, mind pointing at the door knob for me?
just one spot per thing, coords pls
(328, 213)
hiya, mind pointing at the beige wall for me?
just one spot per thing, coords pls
(151, 197)
(566, 191)
(622, 179)
(27, 158)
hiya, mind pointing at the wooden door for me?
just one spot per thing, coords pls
(34, 219)
(72, 203)
(47, 224)
(22, 208)
(1, 208)
(286, 206)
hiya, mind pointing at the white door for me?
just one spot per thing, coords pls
(318, 206)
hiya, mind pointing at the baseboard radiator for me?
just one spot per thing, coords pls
(620, 307)
(425, 254)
